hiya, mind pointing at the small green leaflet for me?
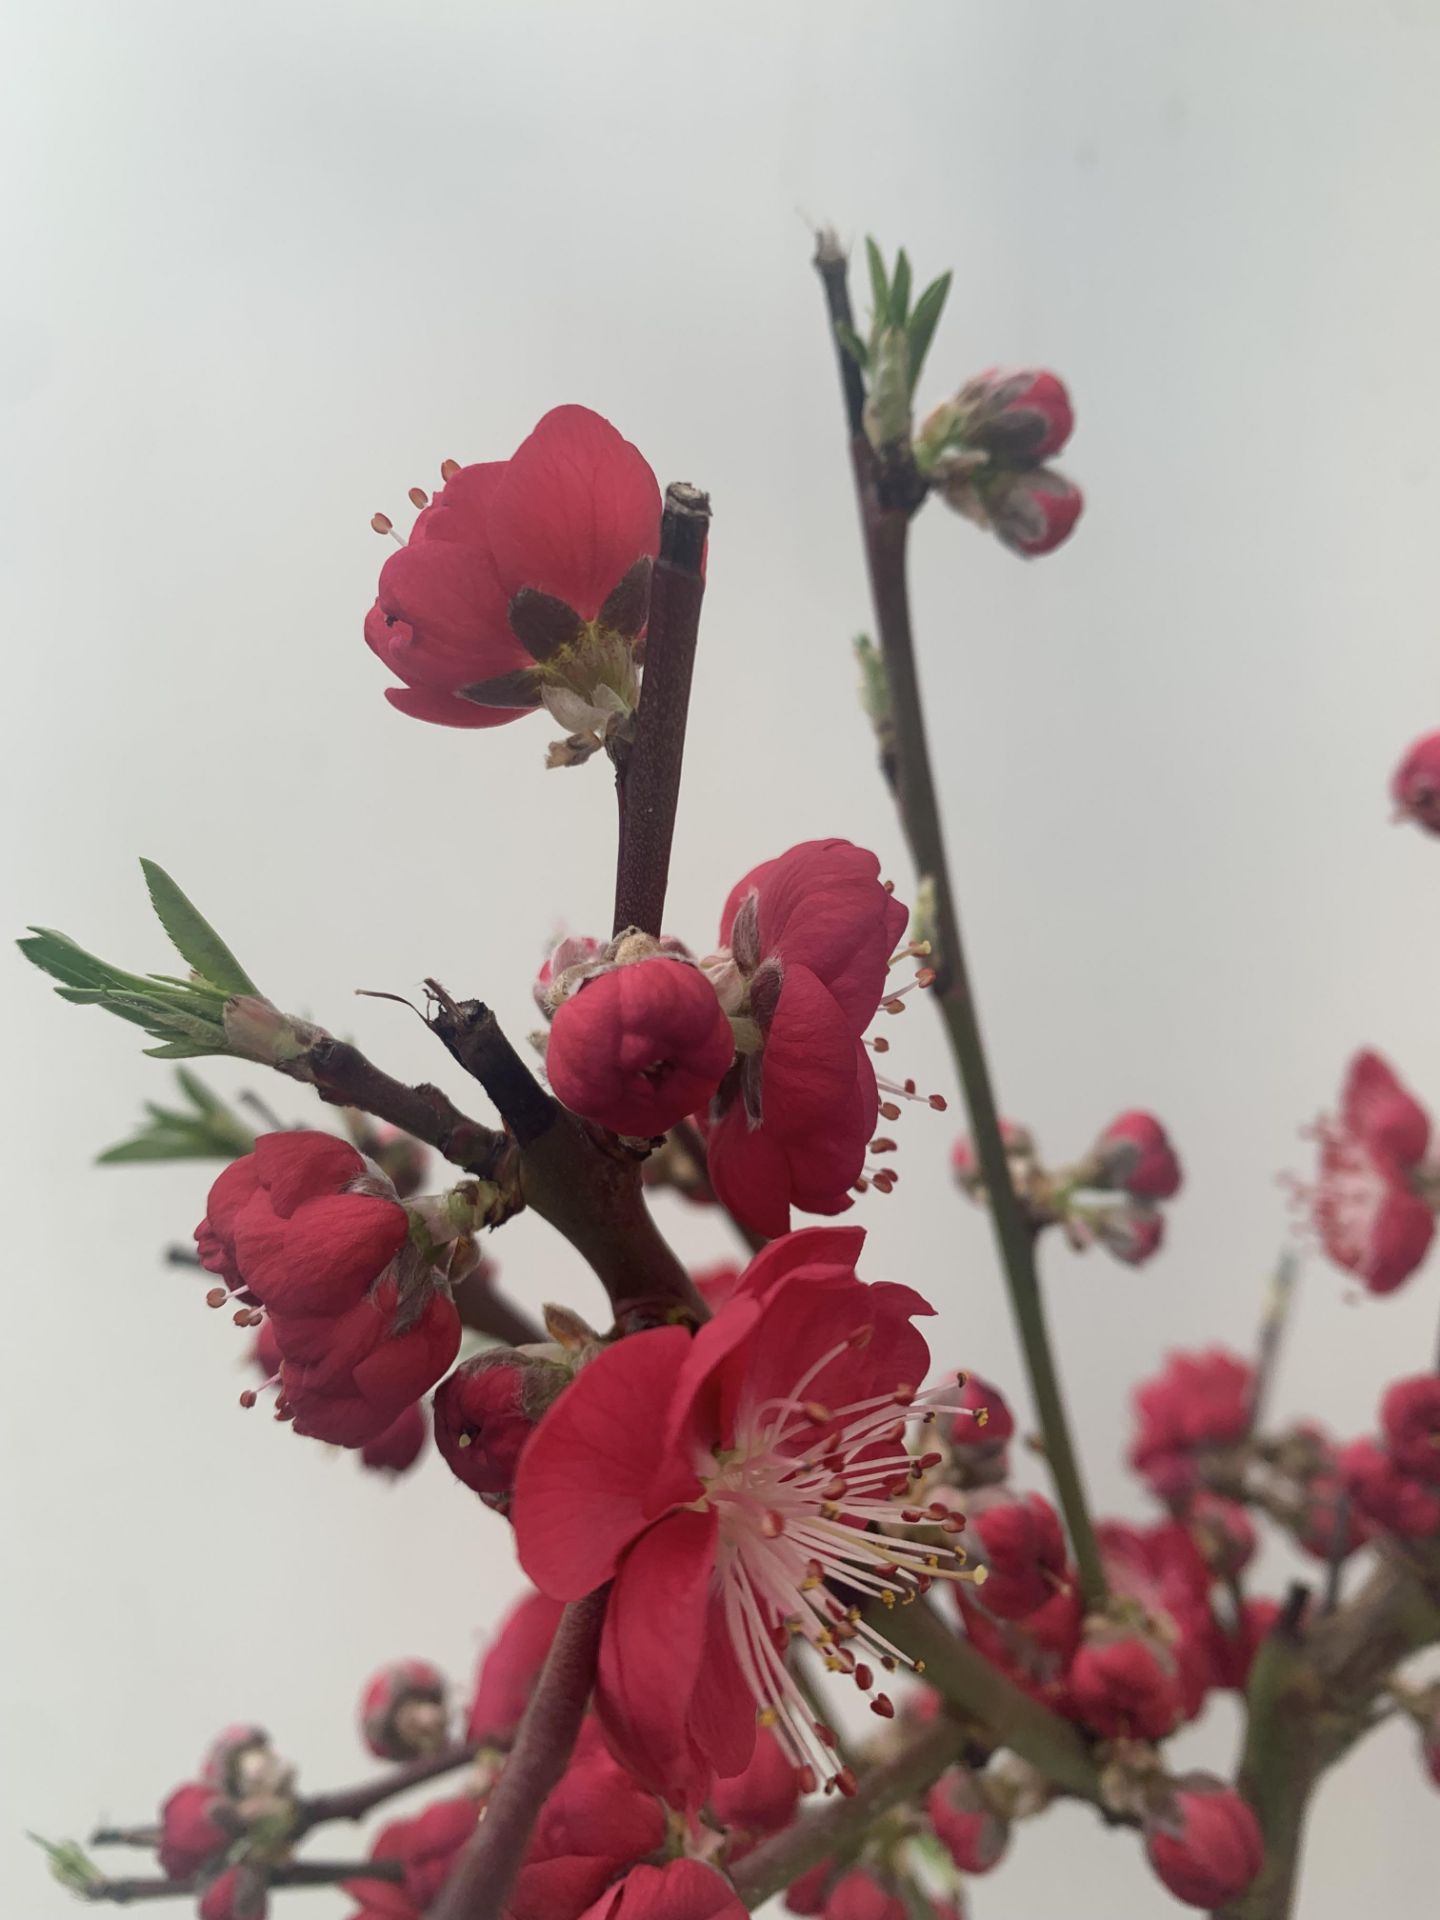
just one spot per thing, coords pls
(192, 936)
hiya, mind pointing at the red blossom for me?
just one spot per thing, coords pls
(1125, 1687)
(1410, 1420)
(680, 1890)
(1161, 1569)
(1384, 1493)
(637, 1047)
(1199, 1402)
(1208, 1849)
(1415, 784)
(859, 1895)
(509, 1668)
(1223, 1532)
(427, 1845)
(966, 1825)
(397, 1449)
(486, 1411)
(807, 941)
(1032, 512)
(1369, 1217)
(1134, 1153)
(1332, 1525)
(709, 1478)
(197, 1825)
(1018, 1537)
(595, 1824)
(568, 516)
(403, 1710)
(346, 1380)
(1019, 416)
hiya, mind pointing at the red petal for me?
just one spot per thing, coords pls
(459, 618)
(577, 508)
(652, 1650)
(300, 1165)
(333, 1250)
(580, 1491)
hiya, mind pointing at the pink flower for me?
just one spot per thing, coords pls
(1393, 1499)
(197, 1825)
(1415, 785)
(967, 1826)
(1369, 1218)
(718, 1480)
(397, 1449)
(486, 1411)
(569, 522)
(347, 1380)
(1209, 1849)
(680, 1890)
(1018, 1537)
(1125, 1688)
(1410, 1418)
(638, 1047)
(1161, 1571)
(808, 939)
(1198, 1403)
(509, 1669)
(403, 1710)
(595, 1824)
(1134, 1153)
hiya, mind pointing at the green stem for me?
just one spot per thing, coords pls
(887, 497)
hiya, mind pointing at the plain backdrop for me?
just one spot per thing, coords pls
(265, 267)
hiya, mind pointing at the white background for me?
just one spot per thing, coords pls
(266, 266)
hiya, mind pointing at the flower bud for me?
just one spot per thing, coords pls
(240, 1763)
(1206, 1847)
(1017, 416)
(965, 1823)
(1133, 1232)
(1124, 1685)
(1331, 1525)
(1019, 1145)
(197, 1825)
(1398, 1501)
(403, 1710)
(256, 1030)
(1134, 1154)
(639, 1047)
(1032, 512)
(859, 1895)
(1224, 1533)
(487, 1410)
(1415, 784)
(983, 1427)
(1410, 1420)
(1018, 1538)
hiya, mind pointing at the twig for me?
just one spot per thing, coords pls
(887, 497)
(1279, 1299)
(841, 1826)
(479, 1884)
(649, 776)
(343, 1077)
(297, 1873)
(126, 1837)
(486, 1311)
(353, 1803)
(1335, 1561)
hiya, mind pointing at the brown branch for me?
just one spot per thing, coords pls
(297, 1873)
(480, 1882)
(126, 1837)
(343, 1077)
(649, 775)
(887, 494)
(484, 1310)
(353, 1803)
(840, 1827)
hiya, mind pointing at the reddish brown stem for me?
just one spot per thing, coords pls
(353, 1803)
(480, 1883)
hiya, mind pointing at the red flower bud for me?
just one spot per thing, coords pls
(965, 1823)
(1018, 416)
(1410, 1420)
(1331, 1525)
(238, 1894)
(1224, 1533)
(858, 1895)
(1019, 1144)
(403, 1710)
(1018, 1538)
(347, 1379)
(640, 1046)
(985, 1424)
(197, 1825)
(397, 1449)
(1032, 512)
(509, 1669)
(1415, 785)
(241, 1761)
(1398, 1501)
(1208, 1849)
(1125, 1688)
(1199, 1403)
(1132, 1231)
(1134, 1153)
(487, 1410)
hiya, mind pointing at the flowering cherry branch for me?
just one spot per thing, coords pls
(888, 489)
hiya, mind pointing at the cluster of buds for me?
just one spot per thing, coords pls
(222, 1832)
(1113, 1196)
(986, 449)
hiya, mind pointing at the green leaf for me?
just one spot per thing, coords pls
(70, 1864)
(192, 936)
(879, 286)
(853, 344)
(57, 954)
(169, 1020)
(160, 1146)
(200, 1096)
(183, 1050)
(900, 290)
(923, 322)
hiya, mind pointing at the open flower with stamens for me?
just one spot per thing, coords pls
(808, 940)
(525, 582)
(730, 1485)
(1370, 1219)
